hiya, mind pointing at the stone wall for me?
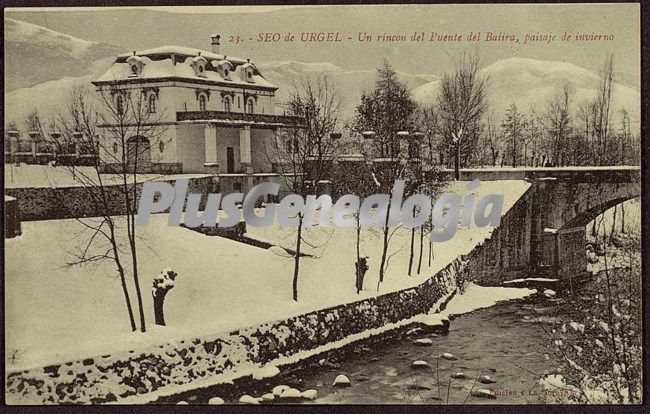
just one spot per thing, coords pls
(505, 255)
(76, 202)
(109, 378)
(12, 218)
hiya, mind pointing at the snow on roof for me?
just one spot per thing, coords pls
(158, 64)
(169, 50)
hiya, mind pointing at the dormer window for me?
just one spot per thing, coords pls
(224, 67)
(247, 70)
(198, 64)
(136, 64)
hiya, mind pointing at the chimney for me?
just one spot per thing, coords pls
(215, 43)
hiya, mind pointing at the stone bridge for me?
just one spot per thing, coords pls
(543, 235)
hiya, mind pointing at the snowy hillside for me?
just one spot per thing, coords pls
(46, 97)
(59, 62)
(349, 83)
(35, 54)
(527, 82)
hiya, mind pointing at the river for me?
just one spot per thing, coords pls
(507, 342)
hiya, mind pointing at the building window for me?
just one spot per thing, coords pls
(250, 106)
(152, 103)
(202, 102)
(134, 70)
(119, 104)
(226, 103)
(115, 148)
(291, 145)
(161, 146)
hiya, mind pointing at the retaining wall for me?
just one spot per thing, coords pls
(109, 378)
(45, 203)
(505, 255)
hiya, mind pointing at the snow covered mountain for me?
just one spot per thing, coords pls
(531, 82)
(349, 83)
(57, 62)
(35, 54)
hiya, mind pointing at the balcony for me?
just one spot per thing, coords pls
(221, 118)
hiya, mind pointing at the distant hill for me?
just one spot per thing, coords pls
(350, 84)
(138, 28)
(531, 82)
(35, 54)
(59, 62)
(525, 82)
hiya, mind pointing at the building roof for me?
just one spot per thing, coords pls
(175, 62)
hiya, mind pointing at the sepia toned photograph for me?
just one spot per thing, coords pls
(427, 204)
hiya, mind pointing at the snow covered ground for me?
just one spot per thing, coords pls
(56, 313)
(38, 176)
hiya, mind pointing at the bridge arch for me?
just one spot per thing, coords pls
(587, 201)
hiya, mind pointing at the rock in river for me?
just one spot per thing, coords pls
(309, 394)
(423, 342)
(420, 365)
(483, 393)
(279, 389)
(290, 393)
(247, 399)
(449, 356)
(216, 401)
(268, 397)
(341, 381)
(486, 379)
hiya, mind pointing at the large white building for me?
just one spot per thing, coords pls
(217, 113)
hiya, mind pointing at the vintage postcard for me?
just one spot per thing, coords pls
(330, 204)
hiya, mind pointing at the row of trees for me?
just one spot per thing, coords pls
(386, 132)
(462, 130)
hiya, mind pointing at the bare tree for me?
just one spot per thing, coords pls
(114, 131)
(306, 154)
(427, 121)
(461, 104)
(513, 130)
(559, 123)
(602, 106)
(492, 139)
(387, 111)
(355, 176)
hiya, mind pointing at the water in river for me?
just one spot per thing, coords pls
(507, 342)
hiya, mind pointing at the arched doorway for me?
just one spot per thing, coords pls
(138, 154)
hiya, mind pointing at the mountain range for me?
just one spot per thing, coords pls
(35, 54)
(56, 62)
